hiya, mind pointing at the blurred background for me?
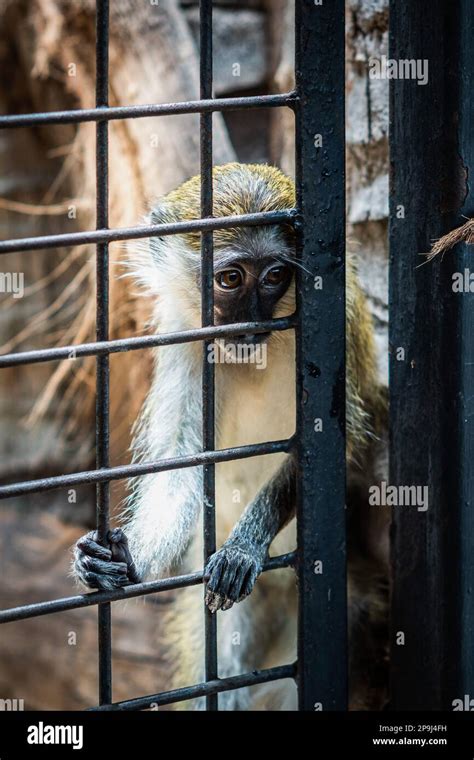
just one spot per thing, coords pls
(47, 185)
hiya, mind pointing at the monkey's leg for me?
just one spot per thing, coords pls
(233, 570)
(245, 634)
(260, 633)
(242, 638)
(183, 639)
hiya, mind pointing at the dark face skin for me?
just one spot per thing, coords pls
(248, 290)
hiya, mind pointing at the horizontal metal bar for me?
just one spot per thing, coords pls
(38, 609)
(132, 470)
(277, 100)
(93, 237)
(146, 341)
(203, 689)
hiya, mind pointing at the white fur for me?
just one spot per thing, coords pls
(163, 507)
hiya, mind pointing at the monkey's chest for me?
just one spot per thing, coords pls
(253, 409)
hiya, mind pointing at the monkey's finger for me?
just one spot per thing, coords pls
(118, 553)
(117, 536)
(105, 568)
(121, 553)
(211, 600)
(132, 572)
(227, 605)
(216, 568)
(228, 577)
(104, 582)
(90, 547)
(214, 601)
(214, 561)
(236, 590)
(249, 582)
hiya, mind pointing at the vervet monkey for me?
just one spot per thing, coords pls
(254, 280)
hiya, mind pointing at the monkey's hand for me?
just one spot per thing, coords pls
(232, 572)
(104, 567)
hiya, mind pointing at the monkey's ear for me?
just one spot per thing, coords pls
(160, 214)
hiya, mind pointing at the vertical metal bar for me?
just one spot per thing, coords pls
(465, 121)
(322, 631)
(431, 352)
(102, 333)
(207, 314)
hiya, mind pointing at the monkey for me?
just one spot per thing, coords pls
(254, 280)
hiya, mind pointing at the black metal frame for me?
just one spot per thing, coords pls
(431, 389)
(318, 103)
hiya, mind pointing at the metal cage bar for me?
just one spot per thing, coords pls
(131, 470)
(207, 320)
(431, 357)
(102, 333)
(318, 105)
(134, 233)
(320, 141)
(26, 611)
(80, 115)
(146, 341)
(208, 689)
(464, 682)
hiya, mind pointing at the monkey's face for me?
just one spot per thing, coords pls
(249, 290)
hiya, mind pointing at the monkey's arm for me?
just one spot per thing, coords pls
(163, 507)
(233, 570)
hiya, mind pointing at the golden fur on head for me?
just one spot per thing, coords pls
(237, 189)
(168, 267)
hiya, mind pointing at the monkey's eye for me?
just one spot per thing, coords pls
(277, 275)
(229, 279)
